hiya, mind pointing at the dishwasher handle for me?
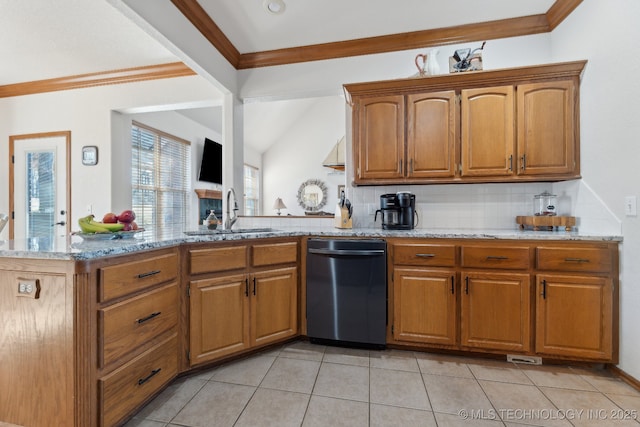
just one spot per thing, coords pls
(347, 252)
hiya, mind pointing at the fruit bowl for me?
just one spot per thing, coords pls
(108, 236)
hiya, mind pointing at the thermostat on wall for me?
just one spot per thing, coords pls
(89, 155)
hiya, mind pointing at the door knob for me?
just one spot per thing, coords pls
(59, 223)
(63, 212)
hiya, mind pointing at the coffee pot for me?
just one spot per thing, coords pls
(397, 211)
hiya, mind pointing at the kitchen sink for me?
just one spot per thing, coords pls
(206, 232)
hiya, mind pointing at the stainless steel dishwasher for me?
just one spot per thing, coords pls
(347, 292)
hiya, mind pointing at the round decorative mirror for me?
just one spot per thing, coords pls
(312, 195)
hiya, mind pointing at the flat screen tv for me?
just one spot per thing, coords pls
(211, 165)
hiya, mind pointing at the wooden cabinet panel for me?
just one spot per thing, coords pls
(125, 326)
(219, 317)
(487, 131)
(546, 128)
(37, 349)
(212, 260)
(274, 305)
(125, 278)
(424, 306)
(432, 133)
(274, 253)
(574, 316)
(123, 390)
(495, 311)
(380, 134)
(585, 259)
(500, 257)
(420, 254)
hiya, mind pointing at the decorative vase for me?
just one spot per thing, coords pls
(432, 66)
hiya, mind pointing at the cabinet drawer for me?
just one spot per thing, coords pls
(122, 279)
(217, 259)
(424, 254)
(126, 388)
(502, 257)
(125, 326)
(574, 259)
(275, 253)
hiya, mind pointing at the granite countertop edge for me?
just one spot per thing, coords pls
(74, 248)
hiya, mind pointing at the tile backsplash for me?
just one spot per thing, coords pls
(466, 207)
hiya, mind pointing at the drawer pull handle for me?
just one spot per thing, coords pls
(578, 260)
(426, 255)
(544, 289)
(147, 274)
(497, 258)
(149, 317)
(466, 285)
(148, 377)
(452, 285)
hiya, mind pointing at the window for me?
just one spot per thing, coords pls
(251, 191)
(160, 178)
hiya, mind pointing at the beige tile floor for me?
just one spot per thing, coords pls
(303, 384)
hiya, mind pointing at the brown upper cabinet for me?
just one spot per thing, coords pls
(518, 124)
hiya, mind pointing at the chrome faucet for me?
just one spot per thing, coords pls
(229, 221)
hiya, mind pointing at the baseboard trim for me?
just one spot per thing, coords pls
(633, 382)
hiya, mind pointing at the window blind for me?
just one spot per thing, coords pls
(160, 180)
(251, 190)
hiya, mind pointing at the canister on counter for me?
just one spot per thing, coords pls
(544, 204)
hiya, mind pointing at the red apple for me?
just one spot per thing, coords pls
(127, 217)
(134, 226)
(110, 218)
(127, 226)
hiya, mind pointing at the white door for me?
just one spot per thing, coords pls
(40, 185)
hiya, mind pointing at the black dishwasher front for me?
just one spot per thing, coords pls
(347, 291)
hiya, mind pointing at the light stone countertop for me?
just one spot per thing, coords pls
(75, 248)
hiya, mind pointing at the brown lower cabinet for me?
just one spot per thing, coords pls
(248, 303)
(557, 300)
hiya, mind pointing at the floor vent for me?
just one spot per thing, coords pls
(529, 360)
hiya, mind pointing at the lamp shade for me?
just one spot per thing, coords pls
(279, 204)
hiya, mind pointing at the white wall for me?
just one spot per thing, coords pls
(607, 34)
(87, 114)
(299, 154)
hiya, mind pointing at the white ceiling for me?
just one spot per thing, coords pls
(45, 39)
(250, 28)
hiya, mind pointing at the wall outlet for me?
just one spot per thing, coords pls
(630, 206)
(89, 209)
(28, 288)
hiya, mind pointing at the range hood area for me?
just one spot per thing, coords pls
(335, 159)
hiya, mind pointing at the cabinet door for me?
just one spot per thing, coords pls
(432, 132)
(219, 317)
(495, 311)
(274, 305)
(574, 316)
(424, 306)
(379, 141)
(546, 139)
(487, 131)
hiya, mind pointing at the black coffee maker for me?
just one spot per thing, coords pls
(397, 211)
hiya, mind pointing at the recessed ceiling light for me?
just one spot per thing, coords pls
(274, 6)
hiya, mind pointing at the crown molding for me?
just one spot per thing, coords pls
(514, 27)
(192, 10)
(127, 75)
(559, 11)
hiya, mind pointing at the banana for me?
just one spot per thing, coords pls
(87, 225)
(113, 227)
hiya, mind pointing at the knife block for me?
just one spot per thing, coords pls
(341, 218)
